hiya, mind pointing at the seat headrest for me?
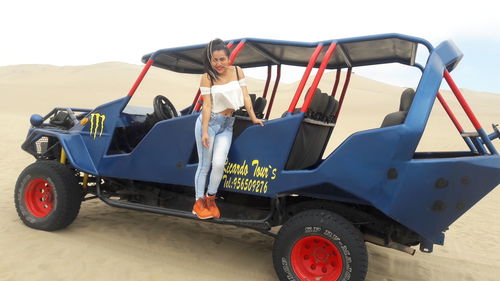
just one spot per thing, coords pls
(252, 97)
(315, 92)
(260, 101)
(406, 99)
(333, 104)
(325, 100)
(329, 106)
(259, 105)
(317, 102)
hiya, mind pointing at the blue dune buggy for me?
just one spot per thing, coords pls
(374, 187)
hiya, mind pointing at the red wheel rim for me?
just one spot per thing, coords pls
(39, 197)
(316, 258)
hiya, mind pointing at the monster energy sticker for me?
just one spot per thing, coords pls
(97, 124)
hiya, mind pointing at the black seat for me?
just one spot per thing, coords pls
(317, 105)
(243, 120)
(329, 106)
(323, 107)
(398, 117)
(258, 107)
(331, 109)
(314, 107)
(257, 103)
(319, 111)
(252, 97)
(313, 133)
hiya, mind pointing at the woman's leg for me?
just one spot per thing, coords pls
(204, 159)
(222, 143)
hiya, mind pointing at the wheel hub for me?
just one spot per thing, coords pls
(320, 255)
(39, 197)
(316, 258)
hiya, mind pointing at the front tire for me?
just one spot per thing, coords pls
(47, 196)
(319, 245)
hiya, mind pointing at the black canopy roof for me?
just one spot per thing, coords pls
(350, 52)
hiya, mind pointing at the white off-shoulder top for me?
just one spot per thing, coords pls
(227, 95)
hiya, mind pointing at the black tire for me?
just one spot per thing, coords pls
(58, 191)
(333, 234)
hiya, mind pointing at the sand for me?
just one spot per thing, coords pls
(106, 243)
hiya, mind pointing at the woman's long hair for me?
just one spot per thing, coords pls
(214, 45)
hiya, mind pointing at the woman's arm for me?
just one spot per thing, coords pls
(247, 100)
(206, 110)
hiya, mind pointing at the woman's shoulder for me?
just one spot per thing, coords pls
(205, 80)
(238, 72)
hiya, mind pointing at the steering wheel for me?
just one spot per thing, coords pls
(163, 108)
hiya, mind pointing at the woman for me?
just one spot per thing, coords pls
(224, 90)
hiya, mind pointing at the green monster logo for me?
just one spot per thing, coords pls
(97, 123)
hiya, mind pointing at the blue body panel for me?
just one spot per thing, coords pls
(420, 203)
(161, 156)
(357, 171)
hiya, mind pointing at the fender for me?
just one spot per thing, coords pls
(76, 151)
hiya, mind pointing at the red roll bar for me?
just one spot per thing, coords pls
(315, 83)
(141, 76)
(344, 90)
(450, 113)
(275, 88)
(461, 100)
(455, 122)
(267, 81)
(197, 96)
(303, 81)
(199, 101)
(235, 52)
(481, 133)
(337, 79)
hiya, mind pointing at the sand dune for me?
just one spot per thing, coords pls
(105, 243)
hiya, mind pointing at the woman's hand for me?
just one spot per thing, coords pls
(205, 140)
(258, 121)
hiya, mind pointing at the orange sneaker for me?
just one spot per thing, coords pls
(212, 207)
(200, 209)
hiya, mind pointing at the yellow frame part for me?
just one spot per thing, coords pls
(63, 156)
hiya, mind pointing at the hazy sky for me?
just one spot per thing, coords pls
(87, 32)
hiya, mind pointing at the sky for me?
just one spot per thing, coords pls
(87, 32)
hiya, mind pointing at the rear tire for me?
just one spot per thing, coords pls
(319, 245)
(47, 196)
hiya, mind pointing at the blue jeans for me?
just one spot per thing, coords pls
(220, 134)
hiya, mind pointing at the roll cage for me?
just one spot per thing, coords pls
(330, 54)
